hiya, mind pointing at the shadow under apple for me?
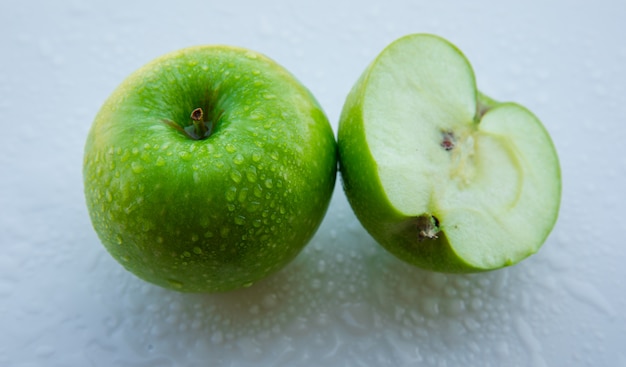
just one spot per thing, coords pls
(342, 299)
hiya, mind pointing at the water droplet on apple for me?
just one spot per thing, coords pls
(136, 167)
(238, 159)
(230, 148)
(256, 156)
(231, 193)
(224, 232)
(251, 174)
(160, 162)
(253, 206)
(269, 183)
(257, 191)
(235, 176)
(175, 284)
(184, 155)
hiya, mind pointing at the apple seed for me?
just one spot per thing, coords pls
(448, 140)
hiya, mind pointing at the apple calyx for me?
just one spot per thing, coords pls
(199, 128)
(427, 227)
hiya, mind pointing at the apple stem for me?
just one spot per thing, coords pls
(201, 130)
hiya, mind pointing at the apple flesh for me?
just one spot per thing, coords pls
(208, 169)
(442, 176)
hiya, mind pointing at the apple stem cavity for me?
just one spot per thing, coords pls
(200, 128)
(427, 227)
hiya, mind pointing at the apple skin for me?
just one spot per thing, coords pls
(216, 214)
(392, 229)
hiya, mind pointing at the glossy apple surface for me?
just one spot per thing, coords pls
(208, 169)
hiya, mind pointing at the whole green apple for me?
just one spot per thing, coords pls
(208, 169)
(442, 176)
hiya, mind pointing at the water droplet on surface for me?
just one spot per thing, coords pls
(455, 307)
(476, 304)
(238, 159)
(217, 337)
(184, 155)
(160, 162)
(230, 148)
(136, 167)
(240, 220)
(243, 194)
(437, 280)
(430, 306)
(270, 301)
(235, 176)
(251, 174)
(231, 193)
(316, 284)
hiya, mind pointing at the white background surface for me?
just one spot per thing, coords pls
(65, 302)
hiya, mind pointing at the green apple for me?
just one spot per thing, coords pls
(208, 169)
(440, 175)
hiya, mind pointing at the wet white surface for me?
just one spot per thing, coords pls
(344, 301)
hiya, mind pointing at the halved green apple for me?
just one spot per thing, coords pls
(440, 175)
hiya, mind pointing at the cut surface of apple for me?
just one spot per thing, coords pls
(448, 179)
